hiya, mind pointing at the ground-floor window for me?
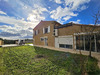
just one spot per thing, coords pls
(65, 46)
(83, 42)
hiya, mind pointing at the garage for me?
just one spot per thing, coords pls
(64, 42)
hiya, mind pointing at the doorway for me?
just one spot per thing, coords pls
(45, 41)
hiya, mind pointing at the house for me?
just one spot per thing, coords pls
(20, 41)
(1, 42)
(43, 33)
(28, 40)
(70, 35)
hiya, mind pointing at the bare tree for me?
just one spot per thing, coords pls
(96, 22)
(90, 30)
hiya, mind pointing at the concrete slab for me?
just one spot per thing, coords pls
(10, 45)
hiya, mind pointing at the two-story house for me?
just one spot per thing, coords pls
(43, 33)
(70, 35)
(1, 42)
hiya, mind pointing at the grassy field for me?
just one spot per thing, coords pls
(28, 60)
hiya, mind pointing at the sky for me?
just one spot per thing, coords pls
(19, 17)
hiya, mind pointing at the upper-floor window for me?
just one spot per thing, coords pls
(36, 32)
(46, 30)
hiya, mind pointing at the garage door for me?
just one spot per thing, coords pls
(64, 41)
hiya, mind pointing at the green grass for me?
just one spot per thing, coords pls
(28, 60)
(28, 43)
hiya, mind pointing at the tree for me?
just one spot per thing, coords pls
(1, 39)
(90, 30)
(96, 22)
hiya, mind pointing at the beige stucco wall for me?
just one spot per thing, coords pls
(77, 29)
(1, 42)
(50, 36)
(70, 30)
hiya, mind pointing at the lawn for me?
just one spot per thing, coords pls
(28, 60)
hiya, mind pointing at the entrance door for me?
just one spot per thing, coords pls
(45, 42)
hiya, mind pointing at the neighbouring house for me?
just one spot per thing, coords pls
(1, 42)
(28, 40)
(20, 41)
(70, 35)
(24, 41)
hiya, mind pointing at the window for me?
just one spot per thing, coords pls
(42, 39)
(36, 32)
(46, 30)
(65, 46)
(55, 32)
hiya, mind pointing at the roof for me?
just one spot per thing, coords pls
(60, 25)
(43, 22)
(71, 24)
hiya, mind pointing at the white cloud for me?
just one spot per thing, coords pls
(61, 12)
(16, 22)
(1, 12)
(36, 14)
(35, 11)
(21, 27)
(69, 9)
(83, 8)
(58, 1)
(67, 18)
(77, 22)
(75, 4)
(15, 32)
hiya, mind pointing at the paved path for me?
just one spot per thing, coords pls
(29, 44)
(10, 45)
(94, 54)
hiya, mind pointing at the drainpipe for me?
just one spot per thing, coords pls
(95, 43)
(84, 42)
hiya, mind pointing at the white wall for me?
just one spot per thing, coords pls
(63, 40)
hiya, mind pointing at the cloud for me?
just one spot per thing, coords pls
(6, 34)
(77, 22)
(37, 13)
(69, 9)
(62, 12)
(9, 31)
(58, 1)
(21, 27)
(67, 18)
(75, 4)
(1, 12)
(25, 15)
(16, 22)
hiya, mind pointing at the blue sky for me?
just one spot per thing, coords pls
(19, 17)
